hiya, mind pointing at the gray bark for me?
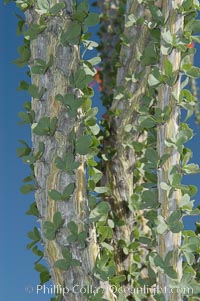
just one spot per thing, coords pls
(170, 241)
(48, 176)
(119, 170)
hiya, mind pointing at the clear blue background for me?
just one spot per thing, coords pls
(16, 270)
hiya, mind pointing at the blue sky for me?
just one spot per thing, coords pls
(16, 262)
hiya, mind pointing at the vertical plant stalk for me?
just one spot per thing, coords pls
(169, 241)
(112, 25)
(119, 169)
(48, 176)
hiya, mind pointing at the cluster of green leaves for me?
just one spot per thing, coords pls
(45, 126)
(67, 262)
(44, 273)
(81, 20)
(70, 103)
(50, 228)
(67, 192)
(36, 238)
(76, 236)
(27, 117)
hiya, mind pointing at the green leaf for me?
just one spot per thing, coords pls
(106, 232)
(73, 227)
(37, 252)
(170, 272)
(25, 55)
(55, 195)
(193, 26)
(40, 268)
(83, 6)
(94, 61)
(95, 174)
(131, 20)
(167, 36)
(174, 217)
(107, 246)
(101, 190)
(158, 261)
(150, 55)
(164, 186)
(23, 151)
(39, 69)
(34, 30)
(72, 35)
(80, 80)
(42, 127)
(191, 244)
(44, 277)
(45, 126)
(82, 238)
(70, 103)
(68, 164)
(118, 279)
(159, 297)
(62, 264)
(161, 225)
(43, 4)
(49, 230)
(34, 235)
(72, 238)
(75, 263)
(23, 85)
(57, 219)
(185, 203)
(57, 8)
(67, 254)
(27, 188)
(26, 118)
(190, 258)
(193, 72)
(53, 126)
(146, 122)
(154, 78)
(79, 16)
(41, 66)
(100, 211)
(151, 155)
(33, 210)
(68, 191)
(186, 156)
(95, 129)
(92, 19)
(34, 91)
(83, 145)
(168, 68)
(149, 199)
(176, 227)
(191, 168)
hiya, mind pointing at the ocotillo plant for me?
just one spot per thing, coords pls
(109, 194)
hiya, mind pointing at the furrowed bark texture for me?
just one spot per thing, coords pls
(119, 169)
(48, 176)
(112, 26)
(170, 241)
